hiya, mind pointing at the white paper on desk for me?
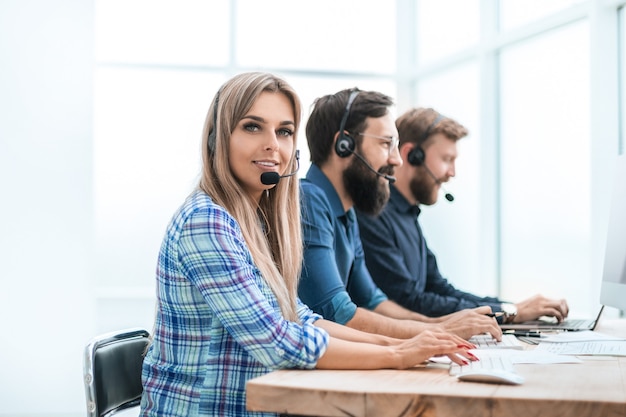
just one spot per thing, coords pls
(516, 356)
(526, 356)
(596, 348)
(492, 353)
(532, 356)
(580, 336)
(477, 352)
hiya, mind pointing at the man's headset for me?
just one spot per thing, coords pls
(417, 156)
(345, 145)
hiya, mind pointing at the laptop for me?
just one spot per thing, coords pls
(550, 324)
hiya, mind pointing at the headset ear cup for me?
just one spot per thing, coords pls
(211, 141)
(213, 133)
(416, 156)
(344, 146)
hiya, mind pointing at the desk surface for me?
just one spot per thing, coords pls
(594, 388)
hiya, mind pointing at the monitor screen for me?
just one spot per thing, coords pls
(613, 291)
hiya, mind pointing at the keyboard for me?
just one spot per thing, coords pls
(576, 324)
(485, 341)
(487, 362)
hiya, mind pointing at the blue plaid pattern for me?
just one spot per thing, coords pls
(217, 322)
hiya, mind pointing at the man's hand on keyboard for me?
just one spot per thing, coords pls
(536, 306)
(467, 323)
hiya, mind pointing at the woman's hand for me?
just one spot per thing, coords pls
(433, 343)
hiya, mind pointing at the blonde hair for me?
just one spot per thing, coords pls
(276, 247)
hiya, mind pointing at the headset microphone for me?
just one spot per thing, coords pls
(272, 178)
(360, 158)
(447, 195)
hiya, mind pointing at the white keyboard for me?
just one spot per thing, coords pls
(487, 362)
(485, 341)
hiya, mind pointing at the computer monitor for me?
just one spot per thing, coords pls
(613, 290)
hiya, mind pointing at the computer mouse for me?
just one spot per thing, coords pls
(494, 376)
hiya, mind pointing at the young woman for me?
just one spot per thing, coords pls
(227, 308)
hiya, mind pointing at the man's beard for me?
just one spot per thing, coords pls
(368, 193)
(422, 187)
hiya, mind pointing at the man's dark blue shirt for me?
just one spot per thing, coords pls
(335, 279)
(403, 266)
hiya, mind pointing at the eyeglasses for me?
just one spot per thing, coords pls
(392, 142)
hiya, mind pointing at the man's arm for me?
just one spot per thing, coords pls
(465, 324)
(401, 264)
(375, 322)
(335, 279)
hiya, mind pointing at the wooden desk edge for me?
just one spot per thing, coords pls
(302, 392)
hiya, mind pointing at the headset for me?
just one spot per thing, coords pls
(211, 143)
(345, 146)
(417, 155)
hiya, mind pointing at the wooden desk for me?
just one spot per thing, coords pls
(595, 388)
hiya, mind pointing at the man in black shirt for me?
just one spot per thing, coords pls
(396, 251)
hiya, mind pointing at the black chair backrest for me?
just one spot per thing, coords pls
(113, 371)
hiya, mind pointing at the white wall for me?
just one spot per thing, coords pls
(46, 97)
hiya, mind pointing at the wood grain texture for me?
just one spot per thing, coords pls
(595, 388)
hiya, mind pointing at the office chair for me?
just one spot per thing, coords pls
(112, 371)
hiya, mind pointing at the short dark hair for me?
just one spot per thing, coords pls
(325, 118)
(416, 125)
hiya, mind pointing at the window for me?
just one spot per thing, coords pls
(456, 94)
(158, 66)
(516, 13)
(444, 27)
(518, 77)
(545, 165)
